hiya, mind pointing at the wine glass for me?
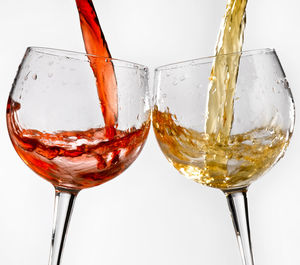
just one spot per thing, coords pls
(56, 124)
(262, 123)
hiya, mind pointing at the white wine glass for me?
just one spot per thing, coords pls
(261, 127)
(56, 124)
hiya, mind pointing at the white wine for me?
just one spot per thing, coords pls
(230, 164)
(215, 156)
(225, 70)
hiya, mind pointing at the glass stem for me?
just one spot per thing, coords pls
(63, 207)
(238, 206)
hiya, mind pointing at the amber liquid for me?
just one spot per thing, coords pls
(215, 157)
(95, 43)
(225, 70)
(200, 156)
(74, 160)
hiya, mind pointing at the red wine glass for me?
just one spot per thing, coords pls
(56, 124)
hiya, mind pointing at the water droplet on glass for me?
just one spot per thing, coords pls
(286, 84)
(182, 78)
(26, 76)
(160, 101)
(34, 76)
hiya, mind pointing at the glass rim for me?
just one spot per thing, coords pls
(209, 59)
(83, 56)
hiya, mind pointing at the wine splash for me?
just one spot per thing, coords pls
(225, 70)
(95, 44)
(75, 160)
(200, 157)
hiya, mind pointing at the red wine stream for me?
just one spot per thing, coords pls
(95, 44)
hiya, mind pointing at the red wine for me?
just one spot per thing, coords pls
(75, 160)
(95, 43)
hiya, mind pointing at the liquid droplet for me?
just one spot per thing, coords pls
(286, 84)
(34, 76)
(26, 76)
(182, 78)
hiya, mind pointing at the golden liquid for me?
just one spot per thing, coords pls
(225, 70)
(200, 157)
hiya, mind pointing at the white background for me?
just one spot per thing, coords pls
(150, 214)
